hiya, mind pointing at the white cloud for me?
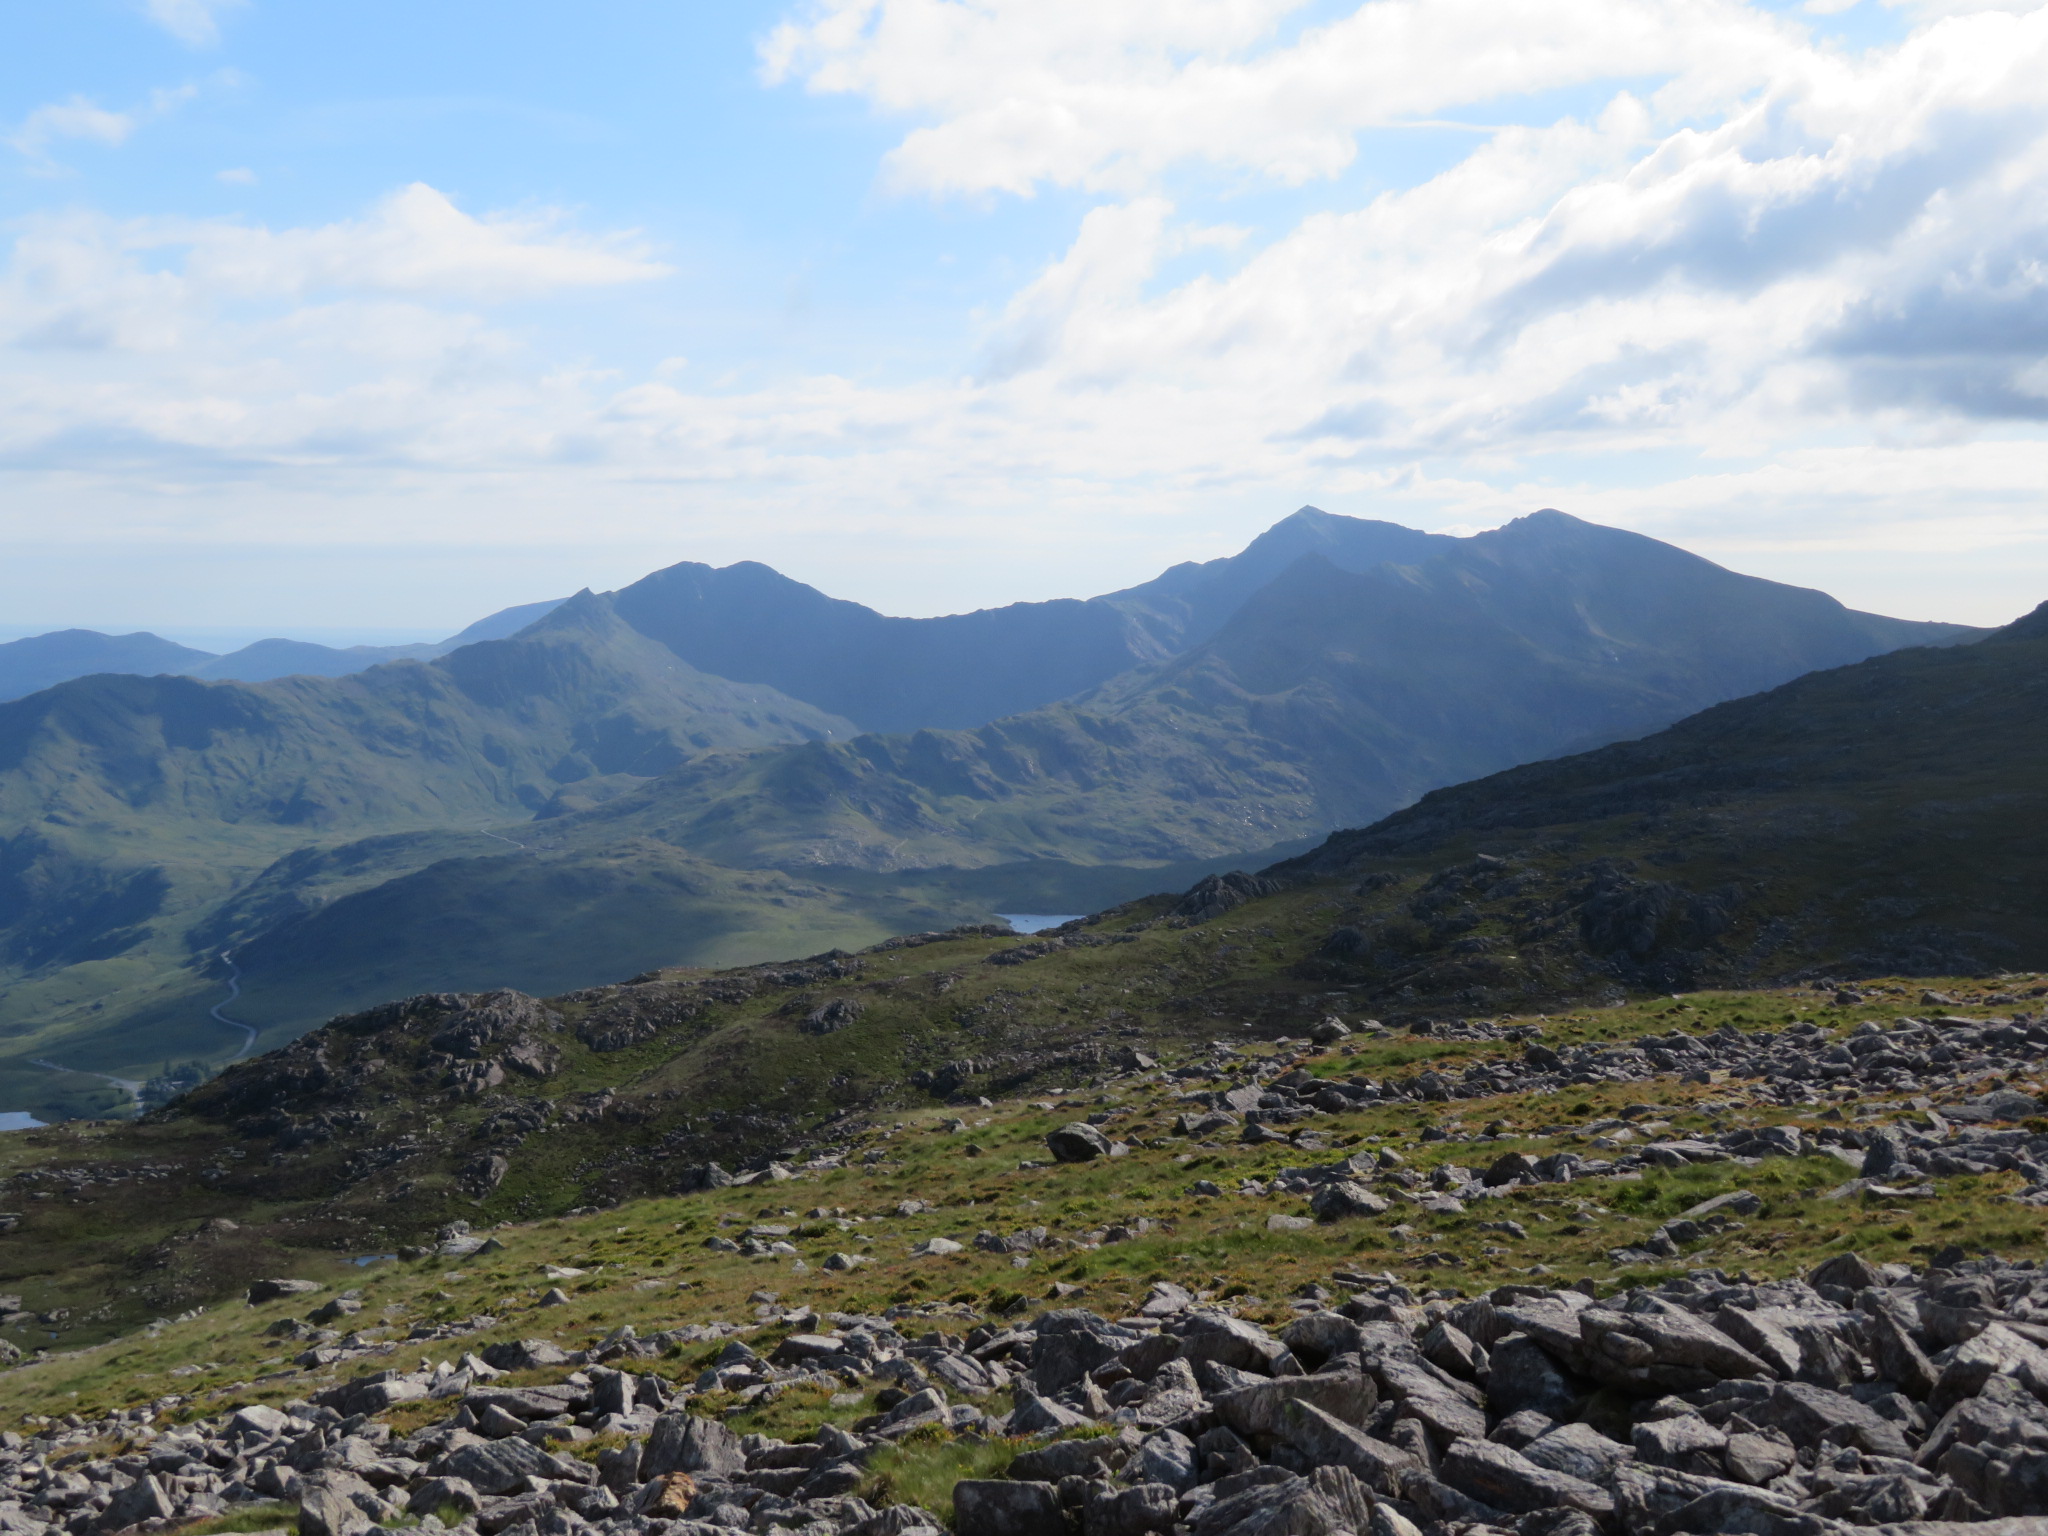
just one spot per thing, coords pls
(84, 120)
(195, 23)
(236, 176)
(77, 118)
(415, 241)
(1108, 95)
(1803, 283)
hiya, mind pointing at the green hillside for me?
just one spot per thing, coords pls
(138, 805)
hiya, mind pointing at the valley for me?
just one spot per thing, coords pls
(718, 767)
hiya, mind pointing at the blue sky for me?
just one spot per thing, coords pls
(365, 319)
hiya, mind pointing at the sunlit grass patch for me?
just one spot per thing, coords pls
(924, 1467)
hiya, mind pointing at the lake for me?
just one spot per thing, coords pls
(1037, 922)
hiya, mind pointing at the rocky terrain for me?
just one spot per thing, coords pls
(1857, 1396)
(1264, 1289)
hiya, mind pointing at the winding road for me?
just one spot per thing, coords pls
(234, 991)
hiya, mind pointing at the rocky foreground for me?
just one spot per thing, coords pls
(1861, 1397)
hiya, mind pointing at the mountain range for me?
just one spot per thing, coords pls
(1503, 947)
(714, 766)
(43, 661)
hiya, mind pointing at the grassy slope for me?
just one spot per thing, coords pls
(647, 1266)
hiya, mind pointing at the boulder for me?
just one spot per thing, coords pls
(261, 1291)
(1579, 1450)
(1521, 1376)
(1167, 1457)
(1324, 1440)
(1077, 1143)
(144, 1499)
(1657, 1352)
(1685, 1441)
(992, 1507)
(1342, 1198)
(1261, 1409)
(1132, 1511)
(1506, 1479)
(1273, 1505)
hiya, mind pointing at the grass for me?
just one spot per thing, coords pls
(244, 1519)
(650, 1270)
(923, 1469)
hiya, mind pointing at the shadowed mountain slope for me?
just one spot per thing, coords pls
(1887, 816)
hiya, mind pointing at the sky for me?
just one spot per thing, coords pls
(362, 320)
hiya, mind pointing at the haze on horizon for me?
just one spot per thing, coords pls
(346, 320)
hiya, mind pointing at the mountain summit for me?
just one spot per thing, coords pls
(727, 765)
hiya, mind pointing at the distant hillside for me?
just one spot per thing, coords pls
(1330, 697)
(43, 661)
(132, 804)
(748, 622)
(588, 794)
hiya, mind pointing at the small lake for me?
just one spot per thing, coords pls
(1037, 922)
(17, 1120)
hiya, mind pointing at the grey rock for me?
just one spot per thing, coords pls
(1997, 1351)
(1508, 1480)
(1578, 1450)
(688, 1442)
(1230, 1341)
(1129, 1511)
(1079, 1142)
(1289, 1507)
(1662, 1352)
(1811, 1414)
(1522, 1377)
(1522, 1428)
(438, 1493)
(1167, 1457)
(1260, 1409)
(1343, 1198)
(1327, 1441)
(1447, 1347)
(143, 1499)
(1898, 1356)
(495, 1466)
(1070, 1344)
(270, 1290)
(1065, 1458)
(1686, 1442)
(1757, 1459)
(988, 1507)
(1035, 1414)
(332, 1504)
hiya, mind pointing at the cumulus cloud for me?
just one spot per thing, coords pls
(1805, 279)
(1108, 95)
